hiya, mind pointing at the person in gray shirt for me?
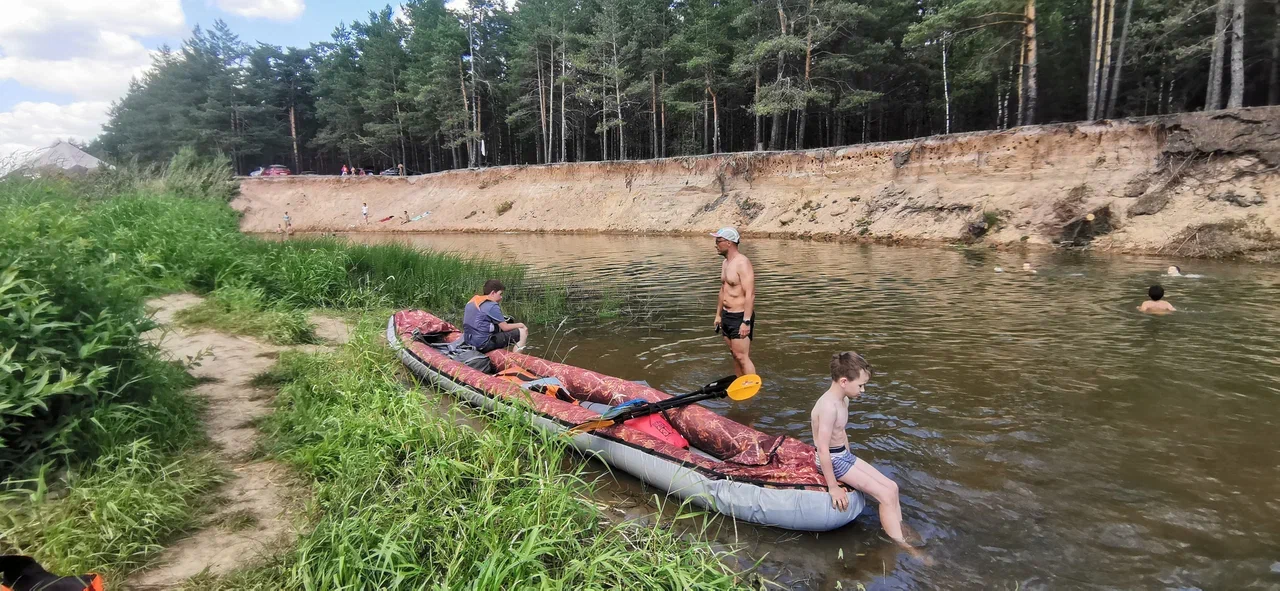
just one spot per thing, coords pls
(485, 327)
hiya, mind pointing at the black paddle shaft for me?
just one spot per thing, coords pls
(670, 403)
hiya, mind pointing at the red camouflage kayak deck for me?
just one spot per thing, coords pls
(745, 454)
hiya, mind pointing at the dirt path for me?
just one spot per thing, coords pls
(257, 514)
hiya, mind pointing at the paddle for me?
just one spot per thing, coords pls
(740, 388)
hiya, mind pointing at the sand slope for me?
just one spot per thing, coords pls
(1197, 184)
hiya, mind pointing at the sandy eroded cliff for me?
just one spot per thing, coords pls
(1201, 184)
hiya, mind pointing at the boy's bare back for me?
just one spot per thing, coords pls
(1156, 307)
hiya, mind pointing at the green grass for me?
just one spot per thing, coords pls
(243, 310)
(103, 458)
(116, 515)
(405, 498)
(148, 481)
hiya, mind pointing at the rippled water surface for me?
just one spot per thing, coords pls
(1043, 432)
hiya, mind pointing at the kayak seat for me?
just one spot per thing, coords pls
(654, 425)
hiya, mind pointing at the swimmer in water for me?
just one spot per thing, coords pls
(1157, 303)
(1026, 268)
(1175, 271)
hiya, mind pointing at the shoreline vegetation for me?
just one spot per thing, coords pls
(104, 459)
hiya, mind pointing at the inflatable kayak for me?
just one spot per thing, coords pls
(689, 452)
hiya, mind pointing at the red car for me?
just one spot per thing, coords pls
(277, 170)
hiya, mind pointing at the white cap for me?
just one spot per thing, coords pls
(728, 234)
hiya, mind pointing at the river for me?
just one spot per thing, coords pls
(1044, 433)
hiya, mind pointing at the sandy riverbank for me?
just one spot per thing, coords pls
(1200, 184)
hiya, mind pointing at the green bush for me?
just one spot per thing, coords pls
(70, 319)
(190, 175)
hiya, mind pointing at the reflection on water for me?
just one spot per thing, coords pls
(1043, 432)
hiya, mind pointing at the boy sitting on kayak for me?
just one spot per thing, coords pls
(849, 374)
(485, 327)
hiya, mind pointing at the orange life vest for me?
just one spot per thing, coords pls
(480, 299)
(519, 375)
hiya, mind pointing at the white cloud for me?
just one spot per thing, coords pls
(43, 28)
(87, 49)
(35, 125)
(275, 10)
(105, 77)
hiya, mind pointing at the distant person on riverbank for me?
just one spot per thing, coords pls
(344, 170)
(288, 223)
(735, 306)
(406, 217)
(850, 373)
(400, 168)
(1157, 304)
(485, 327)
(364, 211)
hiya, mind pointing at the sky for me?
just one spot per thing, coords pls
(62, 62)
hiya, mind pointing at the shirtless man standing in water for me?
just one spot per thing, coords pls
(735, 308)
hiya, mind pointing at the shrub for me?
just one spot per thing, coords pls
(190, 175)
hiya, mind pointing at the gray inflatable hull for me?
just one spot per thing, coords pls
(795, 509)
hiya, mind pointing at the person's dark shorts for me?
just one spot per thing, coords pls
(500, 340)
(731, 323)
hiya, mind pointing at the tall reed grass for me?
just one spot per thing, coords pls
(74, 272)
(408, 498)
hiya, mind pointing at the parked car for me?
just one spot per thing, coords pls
(396, 172)
(277, 170)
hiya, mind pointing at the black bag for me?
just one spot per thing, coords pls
(473, 358)
(23, 573)
(457, 351)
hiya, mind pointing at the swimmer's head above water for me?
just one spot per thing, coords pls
(1175, 271)
(1155, 292)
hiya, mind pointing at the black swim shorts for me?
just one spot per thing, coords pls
(500, 340)
(731, 323)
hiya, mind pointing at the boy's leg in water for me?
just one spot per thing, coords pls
(868, 479)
